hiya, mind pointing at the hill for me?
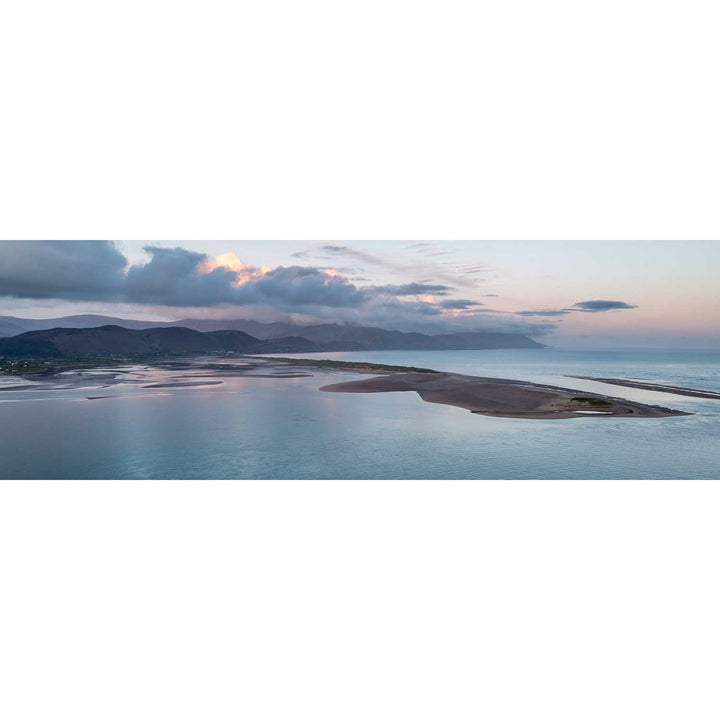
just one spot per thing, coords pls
(114, 340)
(331, 336)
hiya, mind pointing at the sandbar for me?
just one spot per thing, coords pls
(674, 389)
(499, 397)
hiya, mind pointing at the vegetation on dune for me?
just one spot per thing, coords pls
(43, 366)
(595, 402)
(23, 367)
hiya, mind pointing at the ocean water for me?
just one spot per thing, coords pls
(284, 428)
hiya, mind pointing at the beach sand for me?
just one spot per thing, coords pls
(504, 398)
(654, 387)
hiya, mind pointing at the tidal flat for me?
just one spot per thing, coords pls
(499, 397)
(268, 419)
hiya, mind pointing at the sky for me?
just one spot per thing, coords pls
(564, 293)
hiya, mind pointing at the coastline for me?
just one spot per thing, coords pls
(491, 396)
(671, 389)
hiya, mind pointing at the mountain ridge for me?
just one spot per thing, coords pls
(328, 336)
(116, 340)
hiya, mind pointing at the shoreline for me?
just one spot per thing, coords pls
(54, 366)
(494, 397)
(671, 389)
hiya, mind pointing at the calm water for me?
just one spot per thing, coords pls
(259, 427)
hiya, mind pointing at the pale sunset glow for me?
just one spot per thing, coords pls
(230, 261)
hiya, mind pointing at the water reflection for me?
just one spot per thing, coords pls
(283, 427)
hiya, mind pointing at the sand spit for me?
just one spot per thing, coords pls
(504, 398)
(635, 383)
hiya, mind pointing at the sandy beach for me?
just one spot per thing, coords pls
(504, 398)
(647, 385)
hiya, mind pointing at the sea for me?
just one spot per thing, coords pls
(273, 427)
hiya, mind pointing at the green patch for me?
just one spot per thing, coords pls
(593, 402)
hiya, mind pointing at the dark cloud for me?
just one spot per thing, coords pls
(585, 306)
(601, 306)
(413, 308)
(429, 318)
(96, 271)
(290, 287)
(173, 277)
(71, 269)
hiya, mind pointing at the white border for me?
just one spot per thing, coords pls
(359, 599)
(333, 120)
(322, 120)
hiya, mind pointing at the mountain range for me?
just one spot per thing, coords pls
(114, 340)
(96, 334)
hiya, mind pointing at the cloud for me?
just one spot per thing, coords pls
(592, 306)
(427, 248)
(419, 259)
(338, 269)
(290, 287)
(458, 304)
(71, 269)
(543, 313)
(175, 277)
(429, 318)
(360, 254)
(601, 306)
(412, 289)
(96, 271)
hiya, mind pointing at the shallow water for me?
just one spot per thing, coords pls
(283, 427)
